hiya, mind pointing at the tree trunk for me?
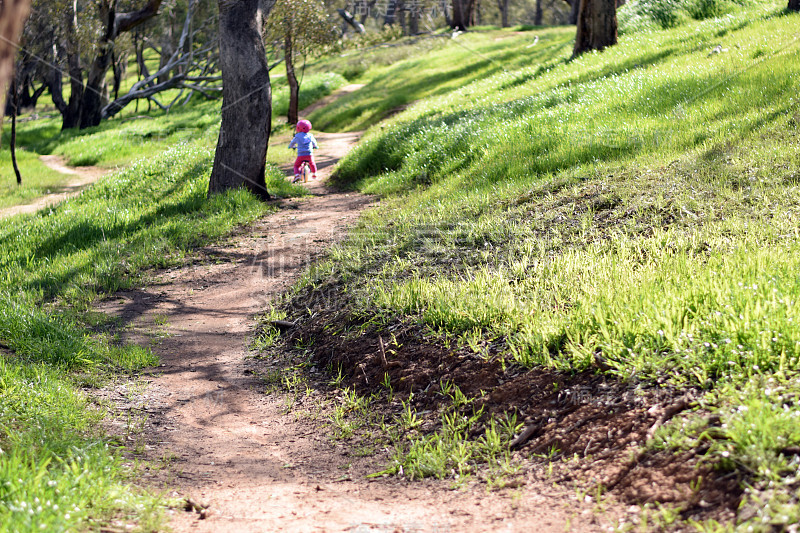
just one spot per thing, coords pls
(34, 98)
(24, 84)
(120, 67)
(597, 26)
(240, 158)
(502, 5)
(188, 44)
(72, 116)
(350, 20)
(573, 14)
(461, 15)
(12, 18)
(114, 23)
(56, 87)
(794, 5)
(15, 100)
(368, 8)
(413, 18)
(448, 19)
(92, 101)
(391, 13)
(537, 15)
(291, 78)
(167, 49)
(401, 16)
(143, 72)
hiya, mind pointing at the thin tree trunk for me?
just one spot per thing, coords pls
(291, 78)
(114, 23)
(119, 66)
(573, 14)
(188, 44)
(597, 26)
(794, 5)
(240, 158)
(12, 18)
(401, 16)
(167, 49)
(56, 87)
(72, 116)
(502, 5)
(368, 8)
(413, 19)
(461, 18)
(34, 100)
(15, 100)
(92, 101)
(390, 15)
(143, 71)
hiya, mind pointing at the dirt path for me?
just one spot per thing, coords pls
(84, 176)
(244, 452)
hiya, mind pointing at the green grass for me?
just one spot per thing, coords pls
(37, 179)
(638, 205)
(55, 264)
(119, 142)
(448, 64)
(58, 470)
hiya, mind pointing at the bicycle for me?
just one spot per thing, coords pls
(305, 172)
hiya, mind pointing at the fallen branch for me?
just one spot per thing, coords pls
(526, 435)
(180, 60)
(282, 324)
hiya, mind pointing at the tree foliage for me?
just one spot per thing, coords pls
(305, 29)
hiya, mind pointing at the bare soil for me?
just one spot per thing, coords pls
(212, 433)
(84, 176)
(585, 430)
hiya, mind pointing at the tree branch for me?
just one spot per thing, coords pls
(126, 21)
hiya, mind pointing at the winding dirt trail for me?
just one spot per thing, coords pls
(258, 466)
(85, 176)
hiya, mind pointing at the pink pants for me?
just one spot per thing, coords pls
(299, 161)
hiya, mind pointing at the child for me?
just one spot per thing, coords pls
(305, 144)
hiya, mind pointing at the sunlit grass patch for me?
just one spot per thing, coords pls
(55, 472)
(632, 212)
(37, 179)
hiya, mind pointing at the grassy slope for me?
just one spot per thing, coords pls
(57, 472)
(639, 204)
(430, 67)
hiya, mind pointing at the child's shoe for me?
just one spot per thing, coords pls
(313, 176)
(297, 177)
